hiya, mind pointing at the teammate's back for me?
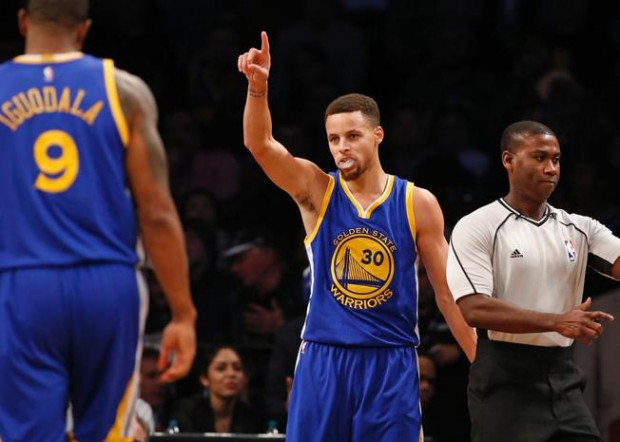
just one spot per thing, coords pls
(63, 137)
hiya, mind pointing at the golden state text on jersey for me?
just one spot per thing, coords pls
(364, 268)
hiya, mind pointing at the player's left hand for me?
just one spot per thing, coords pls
(178, 349)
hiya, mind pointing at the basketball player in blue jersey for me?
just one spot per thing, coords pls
(356, 376)
(82, 171)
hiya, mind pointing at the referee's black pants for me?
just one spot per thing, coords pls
(525, 393)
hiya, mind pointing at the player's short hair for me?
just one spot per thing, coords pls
(353, 103)
(515, 133)
(67, 13)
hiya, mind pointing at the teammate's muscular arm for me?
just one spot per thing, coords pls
(303, 180)
(160, 226)
(433, 249)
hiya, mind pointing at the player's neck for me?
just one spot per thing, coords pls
(370, 183)
(48, 42)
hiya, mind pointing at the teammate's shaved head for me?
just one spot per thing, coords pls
(63, 12)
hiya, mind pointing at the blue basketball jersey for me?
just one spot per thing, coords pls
(64, 195)
(364, 269)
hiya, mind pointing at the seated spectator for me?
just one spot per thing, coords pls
(159, 313)
(143, 421)
(152, 391)
(428, 373)
(282, 363)
(451, 364)
(280, 371)
(210, 286)
(220, 408)
(270, 292)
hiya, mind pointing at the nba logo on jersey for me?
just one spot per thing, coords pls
(570, 250)
(48, 73)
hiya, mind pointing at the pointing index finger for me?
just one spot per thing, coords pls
(264, 47)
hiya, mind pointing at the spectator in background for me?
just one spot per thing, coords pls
(449, 363)
(269, 294)
(144, 421)
(155, 393)
(428, 376)
(282, 363)
(159, 313)
(221, 407)
(211, 287)
(270, 291)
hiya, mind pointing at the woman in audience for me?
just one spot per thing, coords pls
(220, 408)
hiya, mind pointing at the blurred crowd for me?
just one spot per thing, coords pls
(448, 75)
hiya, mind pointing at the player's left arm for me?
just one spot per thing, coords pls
(433, 249)
(159, 223)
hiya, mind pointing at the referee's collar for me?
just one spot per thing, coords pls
(549, 213)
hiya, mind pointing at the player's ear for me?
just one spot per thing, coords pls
(507, 159)
(22, 22)
(379, 134)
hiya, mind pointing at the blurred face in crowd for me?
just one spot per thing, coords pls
(428, 373)
(250, 266)
(200, 206)
(195, 247)
(225, 377)
(151, 389)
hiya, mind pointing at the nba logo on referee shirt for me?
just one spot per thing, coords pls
(570, 250)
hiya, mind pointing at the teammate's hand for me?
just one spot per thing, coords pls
(581, 324)
(255, 64)
(178, 349)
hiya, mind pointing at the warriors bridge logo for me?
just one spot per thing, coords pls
(362, 268)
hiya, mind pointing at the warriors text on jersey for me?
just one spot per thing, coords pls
(498, 252)
(364, 269)
(62, 148)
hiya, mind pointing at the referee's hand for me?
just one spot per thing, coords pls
(582, 324)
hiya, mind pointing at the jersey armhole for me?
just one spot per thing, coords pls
(319, 221)
(410, 211)
(114, 100)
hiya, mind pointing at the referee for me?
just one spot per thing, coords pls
(516, 268)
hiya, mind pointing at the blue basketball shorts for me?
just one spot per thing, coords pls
(354, 394)
(69, 335)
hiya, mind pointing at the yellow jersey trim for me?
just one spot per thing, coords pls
(48, 58)
(360, 210)
(114, 100)
(319, 221)
(123, 414)
(410, 211)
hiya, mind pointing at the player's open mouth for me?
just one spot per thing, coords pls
(346, 163)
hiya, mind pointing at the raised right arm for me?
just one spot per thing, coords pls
(303, 180)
